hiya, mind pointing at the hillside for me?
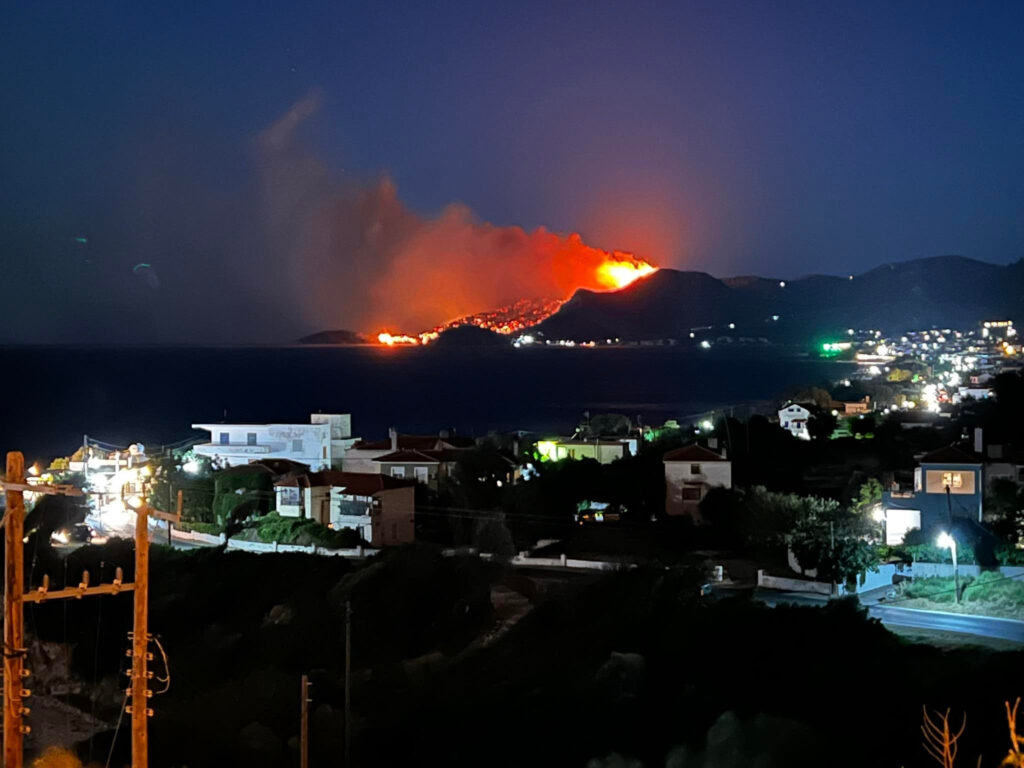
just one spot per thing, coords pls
(945, 291)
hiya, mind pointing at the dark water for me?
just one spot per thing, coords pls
(53, 395)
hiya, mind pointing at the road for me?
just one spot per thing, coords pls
(983, 626)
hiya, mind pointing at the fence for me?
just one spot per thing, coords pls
(883, 577)
(927, 570)
(261, 546)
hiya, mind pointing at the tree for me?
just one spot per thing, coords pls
(868, 496)
(832, 540)
(196, 485)
(821, 425)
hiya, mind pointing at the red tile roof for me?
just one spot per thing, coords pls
(418, 457)
(693, 453)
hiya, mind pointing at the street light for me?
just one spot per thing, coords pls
(878, 515)
(948, 542)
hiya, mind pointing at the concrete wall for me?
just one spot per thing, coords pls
(394, 522)
(927, 570)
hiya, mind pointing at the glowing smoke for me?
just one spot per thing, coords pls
(358, 258)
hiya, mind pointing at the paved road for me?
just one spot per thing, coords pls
(985, 626)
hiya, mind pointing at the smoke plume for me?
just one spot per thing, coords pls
(357, 257)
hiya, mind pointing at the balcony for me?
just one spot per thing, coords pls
(214, 449)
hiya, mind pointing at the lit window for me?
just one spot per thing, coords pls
(398, 471)
(952, 480)
(421, 474)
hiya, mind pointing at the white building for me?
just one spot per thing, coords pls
(793, 418)
(690, 472)
(321, 444)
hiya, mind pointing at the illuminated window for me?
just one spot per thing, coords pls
(695, 469)
(952, 480)
(398, 471)
(421, 474)
(289, 495)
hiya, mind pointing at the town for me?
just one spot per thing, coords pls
(860, 476)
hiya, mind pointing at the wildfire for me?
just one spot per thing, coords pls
(616, 273)
(617, 270)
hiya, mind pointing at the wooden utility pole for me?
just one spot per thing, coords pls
(140, 693)
(304, 726)
(348, 681)
(15, 598)
(14, 616)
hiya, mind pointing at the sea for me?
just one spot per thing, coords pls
(53, 396)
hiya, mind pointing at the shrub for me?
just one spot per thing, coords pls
(303, 531)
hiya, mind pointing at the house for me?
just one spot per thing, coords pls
(363, 455)
(428, 467)
(603, 450)
(793, 418)
(948, 485)
(853, 407)
(690, 472)
(380, 508)
(320, 444)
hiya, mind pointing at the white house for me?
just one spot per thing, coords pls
(321, 444)
(690, 472)
(793, 418)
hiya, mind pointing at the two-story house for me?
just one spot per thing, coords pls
(690, 472)
(320, 444)
(948, 485)
(793, 418)
(379, 508)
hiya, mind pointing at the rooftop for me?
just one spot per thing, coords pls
(355, 483)
(693, 452)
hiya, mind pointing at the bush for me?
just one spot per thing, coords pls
(213, 529)
(303, 531)
(237, 486)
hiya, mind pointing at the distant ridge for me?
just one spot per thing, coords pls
(942, 291)
(335, 337)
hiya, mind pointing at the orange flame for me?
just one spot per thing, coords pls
(617, 273)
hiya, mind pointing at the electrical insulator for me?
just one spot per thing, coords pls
(25, 729)
(149, 657)
(24, 711)
(128, 708)
(149, 694)
(128, 653)
(149, 712)
(25, 693)
(149, 674)
(26, 673)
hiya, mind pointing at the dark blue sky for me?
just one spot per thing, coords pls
(770, 138)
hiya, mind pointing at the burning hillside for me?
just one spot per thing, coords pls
(617, 271)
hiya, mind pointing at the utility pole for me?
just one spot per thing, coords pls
(304, 727)
(15, 598)
(139, 708)
(348, 681)
(14, 616)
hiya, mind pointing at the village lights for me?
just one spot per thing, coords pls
(191, 467)
(706, 425)
(705, 344)
(34, 470)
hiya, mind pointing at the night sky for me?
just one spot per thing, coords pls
(175, 172)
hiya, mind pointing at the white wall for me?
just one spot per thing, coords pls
(306, 443)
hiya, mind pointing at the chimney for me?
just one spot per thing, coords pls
(978, 442)
(393, 434)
